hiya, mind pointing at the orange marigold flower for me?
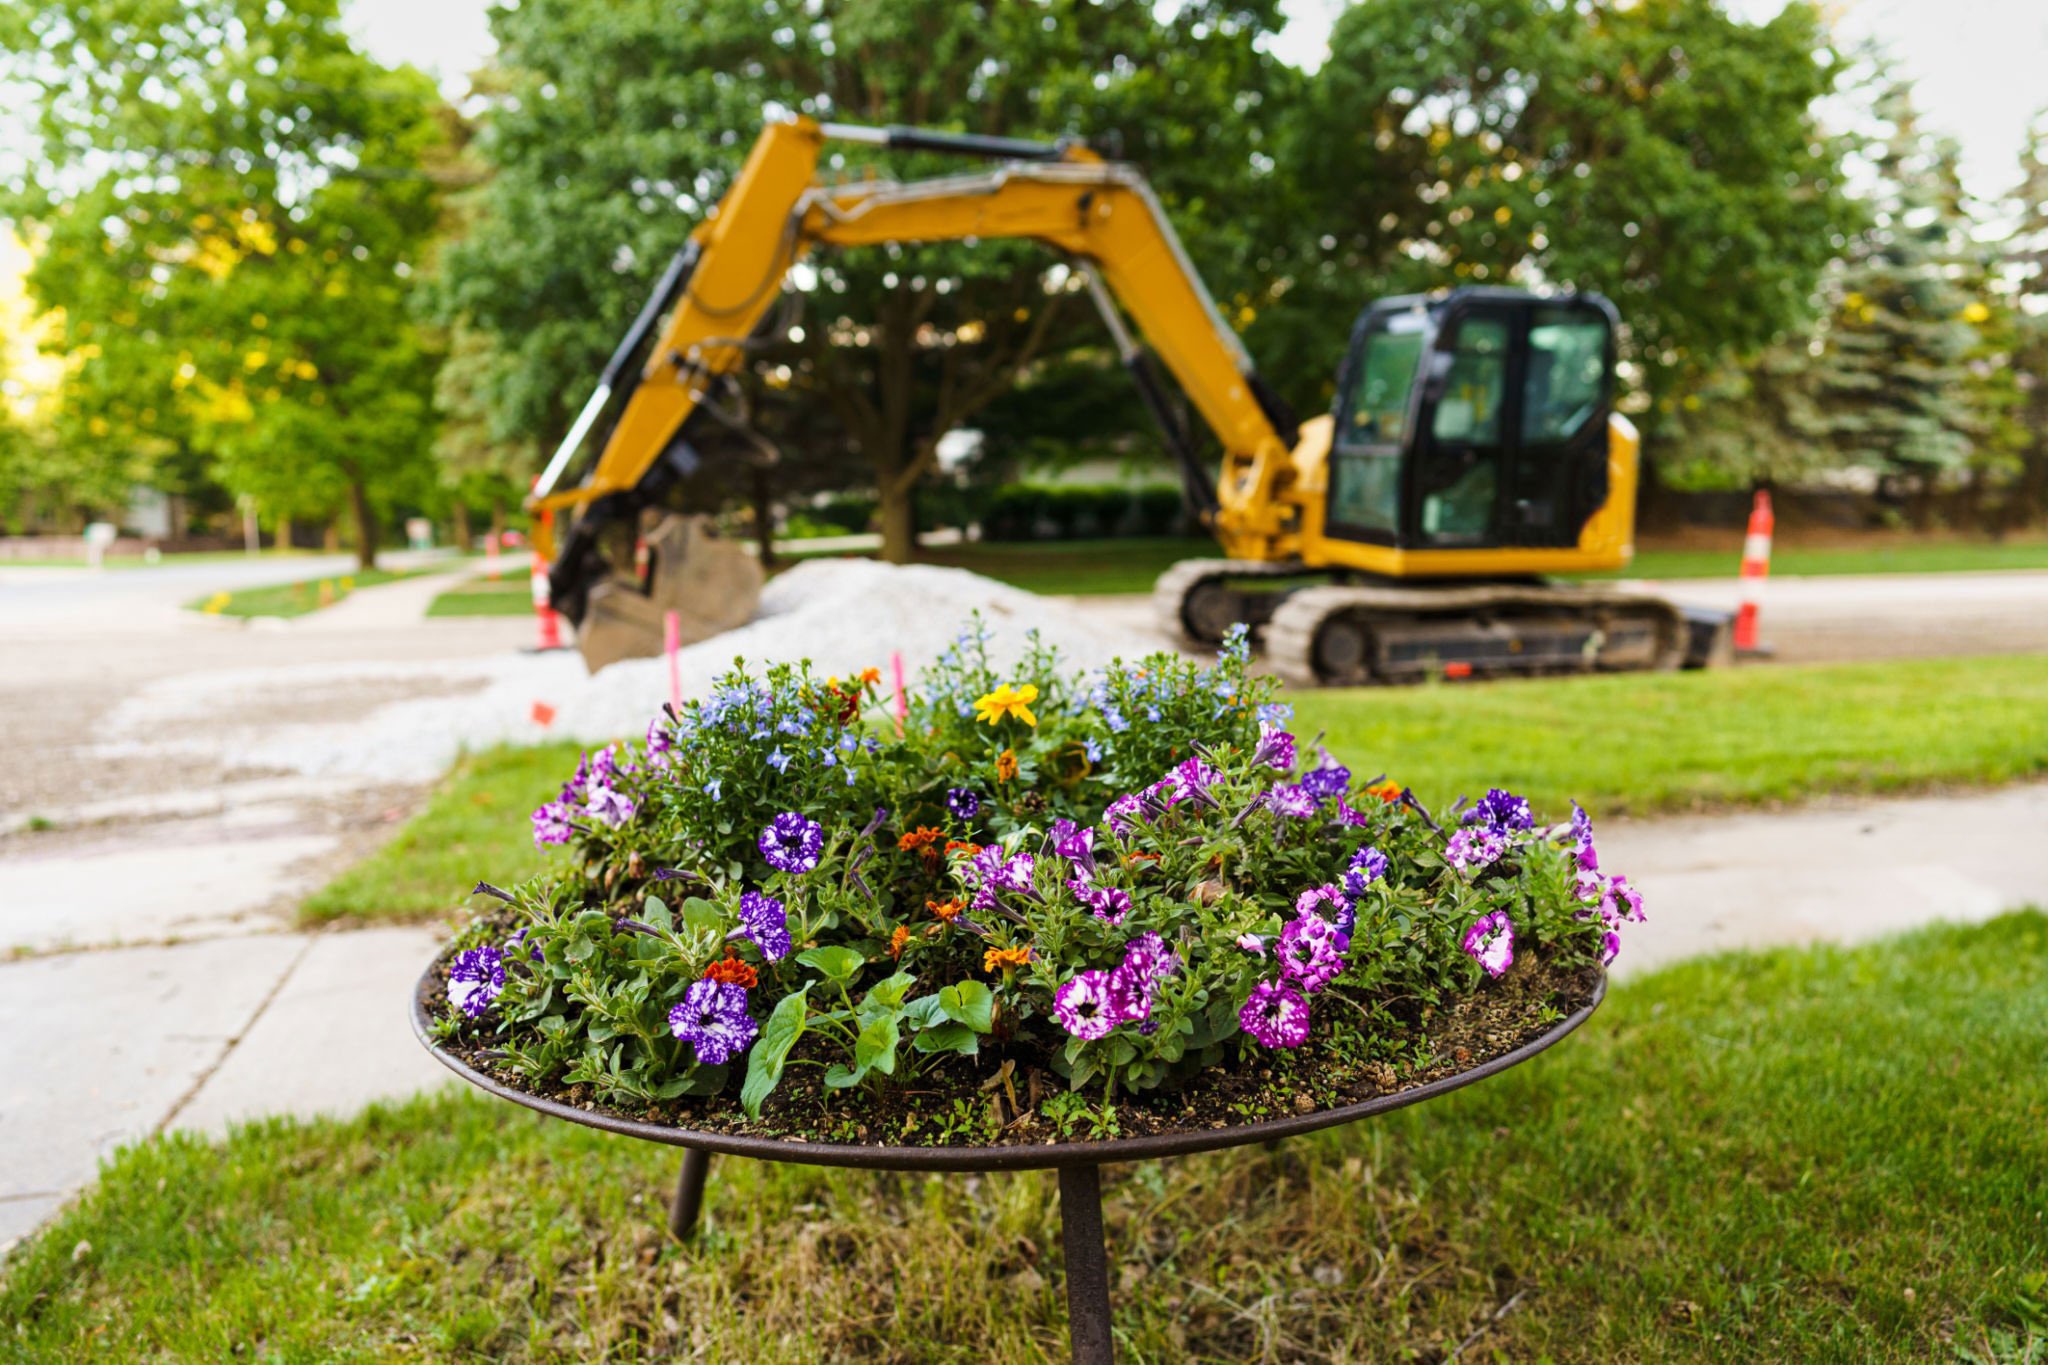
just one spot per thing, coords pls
(1006, 765)
(870, 676)
(962, 846)
(898, 939)
(922, 837)
(730, 971)
(998, 959)
(1385, 790)
(946, 910)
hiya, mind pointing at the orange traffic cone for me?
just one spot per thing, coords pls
(1756, 567)
(550, 624)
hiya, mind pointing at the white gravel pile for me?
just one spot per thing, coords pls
(842, 614)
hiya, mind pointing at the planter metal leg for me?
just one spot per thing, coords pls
(682, 1212)
(1087, 1265)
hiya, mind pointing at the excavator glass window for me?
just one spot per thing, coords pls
(1365, 478)
(1462, 468)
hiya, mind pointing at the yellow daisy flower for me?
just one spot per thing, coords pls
(1008, 701)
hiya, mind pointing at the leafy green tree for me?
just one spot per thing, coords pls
(621, 123)
(233, 201)
(1663, 152)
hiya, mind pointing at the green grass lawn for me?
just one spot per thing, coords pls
(1826, 1155)
(511, 595)
(1642, 744)
(1079, 567)
(474, 828)
(298, 599)
(1657, 743)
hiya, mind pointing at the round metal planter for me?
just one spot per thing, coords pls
(1078, 1163)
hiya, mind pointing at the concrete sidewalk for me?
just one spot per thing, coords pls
(109, 1046)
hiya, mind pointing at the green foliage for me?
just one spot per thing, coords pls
(1121, 955)
(1080, 512)
(1635, 149)
(231, 203)
(615, 128)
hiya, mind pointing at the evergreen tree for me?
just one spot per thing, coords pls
(2024, 256)
(1895, 377)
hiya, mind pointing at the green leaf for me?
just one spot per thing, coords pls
(701, 916)
(970, 1003)
(837, 1077)
(655, 911)
(924, 1011)
(839, 964)
(890, 992)
(948, 1037)
(765, 1059)
(876, 1046)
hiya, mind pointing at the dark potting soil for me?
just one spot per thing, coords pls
(995, 1099)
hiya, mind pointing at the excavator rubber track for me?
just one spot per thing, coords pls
(1347, 635)
(1194, 603)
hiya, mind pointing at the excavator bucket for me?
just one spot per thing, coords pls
(710, 583)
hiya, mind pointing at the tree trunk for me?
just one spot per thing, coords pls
(366, 524)
(330, 538)
(460, 512)
(764, 516)
(281, 539)
(898, 517)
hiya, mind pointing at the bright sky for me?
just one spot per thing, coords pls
(1978, 64)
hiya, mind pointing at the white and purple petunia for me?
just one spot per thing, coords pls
(553, 823)
(474, 980)
(1108, 903)
(792, 842)
(1310, 955)
(1085, 1007)
(1367, 866)
(1475, 848)
(712, 1017)
(1275, 748)
(1491, 942)
(1276, 1015)
(763, 920)
(1292, 801)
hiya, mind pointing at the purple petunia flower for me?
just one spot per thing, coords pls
(1107, 902)
(1084, 1007)
(1275, 748)
(1077, 846)
(792, 842)
(1328, 781)
(1151, 959)
(474, 980)
(1610, 947)
(1500, 811)
(1368, 865)
(1582, 827)
(659, 742)
(1347, 814)
(763, 920)
(1275, 1015)
(713, 1019)
(1491, 942)
(609, 806)
(1130, 999)
(1291, 801)
(964, 804)
(1124, 815)
(1309, 955)
(1475, 848)
(552, 824)
(1193, 779)
(1341, 915)
(1628, 895)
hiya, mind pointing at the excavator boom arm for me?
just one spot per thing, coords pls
(1101, 213)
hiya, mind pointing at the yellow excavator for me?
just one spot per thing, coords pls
(1473, 449)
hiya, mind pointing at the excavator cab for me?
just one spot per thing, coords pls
(1473, 420)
